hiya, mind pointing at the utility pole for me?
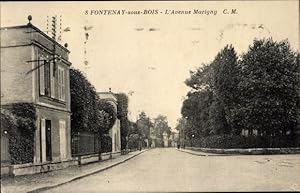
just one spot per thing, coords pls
(54, 43)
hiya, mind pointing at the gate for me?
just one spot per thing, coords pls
(5, 156)
(84, 143)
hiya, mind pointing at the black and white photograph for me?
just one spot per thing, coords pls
(150, 96)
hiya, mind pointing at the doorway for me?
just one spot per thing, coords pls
(48, 141)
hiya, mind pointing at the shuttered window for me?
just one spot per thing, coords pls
(52, 79)
(61, 84)
(45, 77)
(42, 79)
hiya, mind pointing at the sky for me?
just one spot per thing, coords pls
(148, 57)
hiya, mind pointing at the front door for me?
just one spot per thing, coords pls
(48, 141)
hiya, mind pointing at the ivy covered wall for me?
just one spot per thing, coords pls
(20, 122)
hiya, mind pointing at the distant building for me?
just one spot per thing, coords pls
(114, 132)
(165, 139)
(35, 69)
(174, 137)
(152, 138)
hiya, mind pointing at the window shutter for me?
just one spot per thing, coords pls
(42, 78)
(58, 84)
(63, 85)
(63, 144)
(52, 80)
(43, 139)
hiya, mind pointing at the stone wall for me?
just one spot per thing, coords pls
(16, 84)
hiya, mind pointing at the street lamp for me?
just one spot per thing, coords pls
(192, 140)
(140, 143)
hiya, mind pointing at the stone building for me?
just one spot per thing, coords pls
(35, 69)
(114, 132)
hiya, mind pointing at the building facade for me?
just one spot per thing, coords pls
(165, 139)
(174, 137)
(35, 69)
(115, 131)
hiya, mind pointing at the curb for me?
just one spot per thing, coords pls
(248, 151)
(204, 155)
(85, 175)
(235, 153)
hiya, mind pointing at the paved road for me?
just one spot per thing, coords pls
(167, 169)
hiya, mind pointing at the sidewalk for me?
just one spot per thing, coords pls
(43, 181)
(239, 151)
(198, 153)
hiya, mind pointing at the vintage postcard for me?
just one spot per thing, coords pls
(150, 96)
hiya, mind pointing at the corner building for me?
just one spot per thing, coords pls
(35, 69)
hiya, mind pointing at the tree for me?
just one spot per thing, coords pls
(160, 126)
(225, 81)
(181, 127)
(84, 101)
(217, 122)
(181, 124)
(257, 92)
(201, 79)
(89, 113)
(268, 88)
(107, 116)
(132, 129)
(196, 107)
(195, 110)
(144, 124)
(209, 105)
(123, 116)
(133, 135)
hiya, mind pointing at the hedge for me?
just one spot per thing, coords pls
(238, 141)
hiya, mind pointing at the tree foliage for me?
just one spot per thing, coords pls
(257, 92)
(19, 120)
(123, 116)
(226, 77)
(144, 124)
(160, 126)
(268, 88)
(201, 79)
(89, 113)
(106, 115)
(195, 110)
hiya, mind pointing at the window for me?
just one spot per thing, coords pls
(46, 77)
(61, 84)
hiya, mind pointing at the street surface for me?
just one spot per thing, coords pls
(168, 169)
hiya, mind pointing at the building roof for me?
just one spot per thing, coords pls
(39, 31)
(107, 96)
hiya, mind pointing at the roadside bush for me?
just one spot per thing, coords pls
(237, 141)
(133, 141)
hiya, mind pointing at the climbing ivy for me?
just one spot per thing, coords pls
(20, 122)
